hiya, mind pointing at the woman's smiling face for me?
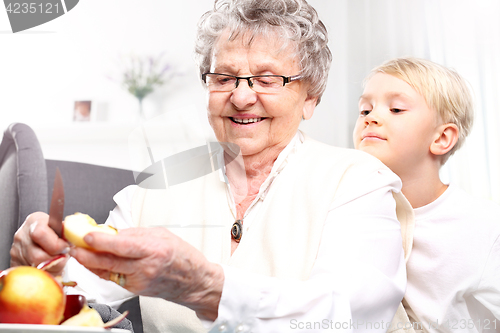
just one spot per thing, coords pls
(257, 122)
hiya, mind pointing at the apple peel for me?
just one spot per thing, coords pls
(48, 264)
(115, 321)
(69, 283)
(45, 265)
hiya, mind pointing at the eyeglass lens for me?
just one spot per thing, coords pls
(218, 82)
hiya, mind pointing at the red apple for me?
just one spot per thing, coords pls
(30, 296)
(74, 304)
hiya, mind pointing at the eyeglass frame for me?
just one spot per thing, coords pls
(286, 79)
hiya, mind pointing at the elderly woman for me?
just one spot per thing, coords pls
(299, 236)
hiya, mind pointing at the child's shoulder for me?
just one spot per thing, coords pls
(459, 218)
(469, 201)
(483, 212)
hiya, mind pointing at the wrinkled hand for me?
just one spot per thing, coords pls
(156, 263)
(36, 242)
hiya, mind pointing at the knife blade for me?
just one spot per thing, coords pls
(57, 204)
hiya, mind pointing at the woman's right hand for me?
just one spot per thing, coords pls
(36, 242)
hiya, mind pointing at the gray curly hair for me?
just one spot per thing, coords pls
(292, 20)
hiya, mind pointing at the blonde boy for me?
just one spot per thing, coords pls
(413, 115)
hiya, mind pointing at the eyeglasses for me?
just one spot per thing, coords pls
(266, 84)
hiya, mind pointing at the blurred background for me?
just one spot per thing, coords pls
(50, 73)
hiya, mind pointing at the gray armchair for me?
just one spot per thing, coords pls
(26, 181)
(23, 183)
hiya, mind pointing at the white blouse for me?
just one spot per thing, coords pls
(356, 284)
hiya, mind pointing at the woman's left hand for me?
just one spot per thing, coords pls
(156, 263)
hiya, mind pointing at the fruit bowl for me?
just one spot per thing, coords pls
(30, 296)
(32, 300)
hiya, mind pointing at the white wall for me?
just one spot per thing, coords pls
(45, 69)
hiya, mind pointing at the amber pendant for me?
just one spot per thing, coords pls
(237, 230)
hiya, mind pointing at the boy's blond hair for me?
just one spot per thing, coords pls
(444, 90)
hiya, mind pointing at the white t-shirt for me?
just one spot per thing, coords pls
(454, 267)
(356, 284)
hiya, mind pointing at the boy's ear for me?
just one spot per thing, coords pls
(446, 138)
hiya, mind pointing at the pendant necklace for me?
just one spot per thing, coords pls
(237, 230)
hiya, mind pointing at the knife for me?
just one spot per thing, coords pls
(57, 204)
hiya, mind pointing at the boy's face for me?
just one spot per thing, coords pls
(395, 124)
